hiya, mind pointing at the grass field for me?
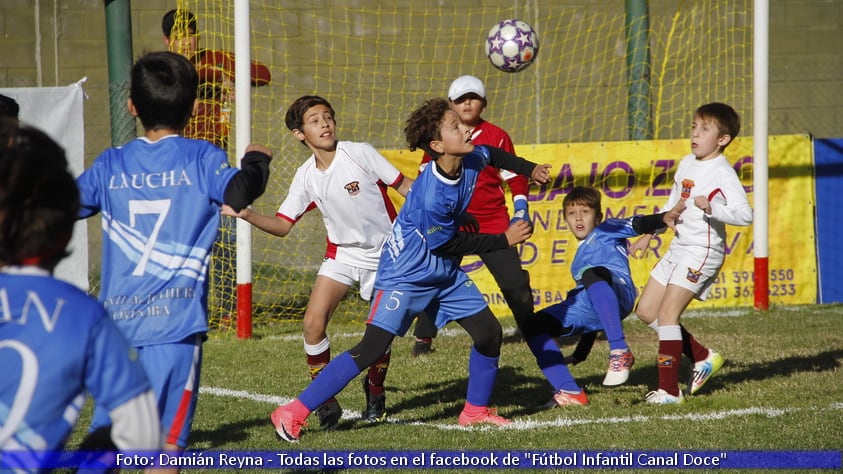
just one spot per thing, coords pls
(780, 389)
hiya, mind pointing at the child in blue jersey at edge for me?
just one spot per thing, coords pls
(604, 295)
(419, 268)
(160, 197)
(57, 344)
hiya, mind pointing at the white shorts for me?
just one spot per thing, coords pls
(695, 273)
(348, 275)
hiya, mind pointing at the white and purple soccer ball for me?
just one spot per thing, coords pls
(512, 45)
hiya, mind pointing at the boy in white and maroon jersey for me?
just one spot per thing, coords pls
(347, 181)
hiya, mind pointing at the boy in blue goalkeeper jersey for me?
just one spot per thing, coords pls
(57, 344)
(160, 197)
(604, 295)
(419, 268)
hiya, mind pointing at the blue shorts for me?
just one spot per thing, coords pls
(578, 315)
(395, 310)
(173, 370)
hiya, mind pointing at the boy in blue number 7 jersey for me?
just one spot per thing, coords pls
(160, 197)
(419, 268)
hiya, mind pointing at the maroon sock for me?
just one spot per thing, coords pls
(315, 363)
(377, 374)
(691, 348)
(669, 354)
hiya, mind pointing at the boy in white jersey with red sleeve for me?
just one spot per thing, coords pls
(467, 97)
(713, 196)
(57, 344)
(347, 181)
(159, 197)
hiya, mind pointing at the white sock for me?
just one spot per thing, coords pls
(318, 348)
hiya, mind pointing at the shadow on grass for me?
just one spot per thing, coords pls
(227, 433)
(739, 371)
(514, 387)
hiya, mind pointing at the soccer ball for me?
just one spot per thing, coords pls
(512, 45)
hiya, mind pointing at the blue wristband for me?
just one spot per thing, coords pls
(522, 211)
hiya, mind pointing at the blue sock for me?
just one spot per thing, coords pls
(482, 371)
(552, 362)
(605, 303)
(333, 378)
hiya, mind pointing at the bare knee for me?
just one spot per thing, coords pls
(315, 327)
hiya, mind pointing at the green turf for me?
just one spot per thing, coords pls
(781, 388)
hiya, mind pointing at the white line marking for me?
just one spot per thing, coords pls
(224, 392)
(446, 332)
(527, 424)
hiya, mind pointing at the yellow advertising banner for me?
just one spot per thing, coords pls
(635, 179)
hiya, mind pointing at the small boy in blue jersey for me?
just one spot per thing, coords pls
(604, 295)
(419, 268)
(160, 197)
(57, 344)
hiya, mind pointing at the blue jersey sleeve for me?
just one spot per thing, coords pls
(605, 247)
(89, 195)
(618, 228)
(218, 173)
(113, 374)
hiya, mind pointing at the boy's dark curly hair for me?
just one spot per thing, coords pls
(39, 201)
(425, 125)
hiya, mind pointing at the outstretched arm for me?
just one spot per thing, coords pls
(505, 160)
(274, 225)
(466, 243)
(654, 222)
(248, 184)
(649, 225)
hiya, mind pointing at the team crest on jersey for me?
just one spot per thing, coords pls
(687, 186)
(353, 188)
(693, 275)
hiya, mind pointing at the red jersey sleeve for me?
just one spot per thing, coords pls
(216, 66)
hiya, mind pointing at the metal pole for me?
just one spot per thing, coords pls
(243, 136)
(760, 65)
(640, 120)
(118, 30)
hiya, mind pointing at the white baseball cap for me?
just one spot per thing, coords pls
(466, 85)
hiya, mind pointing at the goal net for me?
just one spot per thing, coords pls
(376, 61)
